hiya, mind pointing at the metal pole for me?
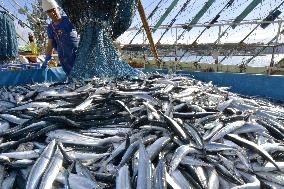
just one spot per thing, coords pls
(176, 59)
(225, 23)
(272, 61)
(22, 38)
(219, 37)
(279, 31)
(148, 32)
(261, 50)
(273, 52)
(143, 32)
(30, 16)
(219, 41)
(249, 33)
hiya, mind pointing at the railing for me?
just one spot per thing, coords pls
(273, 44)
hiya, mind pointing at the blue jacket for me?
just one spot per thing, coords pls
(65, 41)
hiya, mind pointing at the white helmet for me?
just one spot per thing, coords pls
(48, 5)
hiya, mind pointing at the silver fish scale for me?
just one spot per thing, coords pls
(101, 126)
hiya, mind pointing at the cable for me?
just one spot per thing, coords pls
(35, 20)
(252, 31)
(14, 17)
(149, 17)
(183, 8)
(229, 4)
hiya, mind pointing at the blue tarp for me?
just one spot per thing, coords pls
(245, 84)
(19, 66)
(21, 77)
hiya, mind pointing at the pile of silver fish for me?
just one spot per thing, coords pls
(160, 131)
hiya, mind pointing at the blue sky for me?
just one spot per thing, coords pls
(260, 12)
(12, 7)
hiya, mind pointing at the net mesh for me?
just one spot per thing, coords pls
(99, 22)
(8, 39)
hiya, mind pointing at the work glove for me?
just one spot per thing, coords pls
(45, 64)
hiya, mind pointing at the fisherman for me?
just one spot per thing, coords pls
(34, 49)
(62, 37)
